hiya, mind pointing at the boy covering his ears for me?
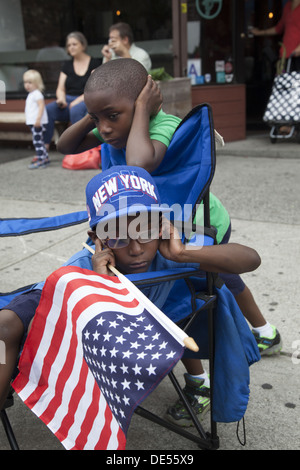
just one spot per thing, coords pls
(125, 211)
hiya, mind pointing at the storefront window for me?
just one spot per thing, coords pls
(210, 41)
(33, 33)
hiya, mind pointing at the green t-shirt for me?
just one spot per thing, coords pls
(219, 217)
(161, 128)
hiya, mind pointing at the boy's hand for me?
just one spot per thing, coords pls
(102, 257)
(170, 245)
(150, 97)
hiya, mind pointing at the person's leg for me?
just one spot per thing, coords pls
(40, 149)
(54, 114)
(196, 390)
(11, 332)
(43, 145)
(267, 336)
(242, 293)
(195, 370)
(193, 366)
(15, 321)
(249, 308)
(77, 112)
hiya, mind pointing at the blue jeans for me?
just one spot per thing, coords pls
(63, 115)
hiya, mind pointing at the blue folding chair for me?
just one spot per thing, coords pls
(197, 301)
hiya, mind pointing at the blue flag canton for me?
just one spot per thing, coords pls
(128, 356)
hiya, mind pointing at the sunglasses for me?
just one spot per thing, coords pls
(144, 237)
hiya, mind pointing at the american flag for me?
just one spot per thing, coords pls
(92, 355)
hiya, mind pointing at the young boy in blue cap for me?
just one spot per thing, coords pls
(130, 233)
(125, 210)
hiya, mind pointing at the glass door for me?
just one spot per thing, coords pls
(260, 56)
(215, 41)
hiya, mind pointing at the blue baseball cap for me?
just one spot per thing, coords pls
(121, 191)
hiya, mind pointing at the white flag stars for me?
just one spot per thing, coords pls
(126, 355)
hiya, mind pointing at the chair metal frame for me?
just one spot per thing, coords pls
(6, 423)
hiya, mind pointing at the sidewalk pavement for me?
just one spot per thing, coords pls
(258, 182)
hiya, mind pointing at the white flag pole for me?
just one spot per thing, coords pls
(168, 324)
